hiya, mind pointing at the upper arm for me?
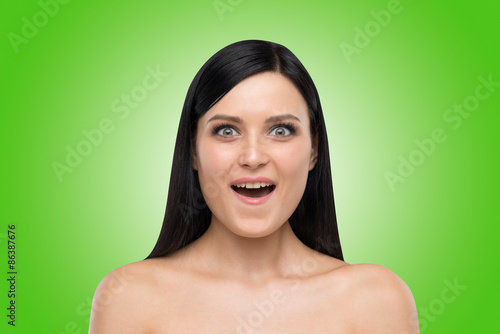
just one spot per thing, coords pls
(118, 303)
(385, 303)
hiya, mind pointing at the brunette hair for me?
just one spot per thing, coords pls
(187, 215)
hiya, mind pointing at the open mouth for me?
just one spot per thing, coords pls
(254, 190)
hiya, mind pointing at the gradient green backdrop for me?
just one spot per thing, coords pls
(439, 225)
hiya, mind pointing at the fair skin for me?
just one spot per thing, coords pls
(249, 273)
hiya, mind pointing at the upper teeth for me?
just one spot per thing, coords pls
(253, 185)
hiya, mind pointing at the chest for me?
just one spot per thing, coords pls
(224, 309)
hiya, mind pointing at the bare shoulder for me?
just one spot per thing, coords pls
(121, 298)
(379, 300)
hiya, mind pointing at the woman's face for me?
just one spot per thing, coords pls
(253, 154)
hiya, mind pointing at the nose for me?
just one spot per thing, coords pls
(253, 154)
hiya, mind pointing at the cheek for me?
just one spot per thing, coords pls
(293, 160)
(214, 158)
(212, 170)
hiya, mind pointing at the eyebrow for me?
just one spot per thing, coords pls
(238, 120)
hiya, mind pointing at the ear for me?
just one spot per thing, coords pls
(195, 161)
(314, 153)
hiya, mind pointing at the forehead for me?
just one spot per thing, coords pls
(262, 94)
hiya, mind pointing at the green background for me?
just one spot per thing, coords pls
(439, 225)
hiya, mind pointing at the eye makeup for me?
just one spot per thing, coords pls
(289, 126)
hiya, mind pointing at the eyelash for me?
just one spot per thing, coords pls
(289, 126)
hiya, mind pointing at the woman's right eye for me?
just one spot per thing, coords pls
(226, 132)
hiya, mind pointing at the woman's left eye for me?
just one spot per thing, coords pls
(281, 131)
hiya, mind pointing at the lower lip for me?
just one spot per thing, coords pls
(253, 200)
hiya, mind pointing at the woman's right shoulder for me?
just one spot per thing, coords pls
(121, 298)
(136, 275)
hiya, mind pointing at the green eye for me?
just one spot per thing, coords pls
(280, 132)
(226, 132)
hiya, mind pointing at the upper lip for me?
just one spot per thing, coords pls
(253, 180)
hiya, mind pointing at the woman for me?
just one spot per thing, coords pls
(249, 242)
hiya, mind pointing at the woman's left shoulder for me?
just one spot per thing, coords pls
(371, 275)
(378, 297)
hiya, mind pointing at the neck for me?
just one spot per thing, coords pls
(221, 252)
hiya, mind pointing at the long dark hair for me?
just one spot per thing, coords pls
(187, 215)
